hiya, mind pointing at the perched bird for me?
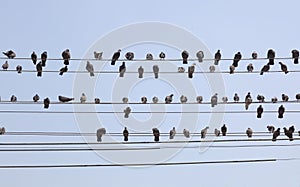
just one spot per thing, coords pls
(237, 57)
(34, 57)
(191, 70)
(231, 69)
(19, 69)
(127, 111)
(236, 98)
(298, 97)
(214, 100)
(5, 65)
(129, 55)
(271, 56)
(254, 55)
(98, 55)
(250, 67)
(200, 56)
(260, 98)
(217, 57)
(248, 101)
(125, 99)
(184, 56)
(63, 70)
(64, 99)
(169, 99)
(249, 132)
(248, 96)
(46, 103)
(276, 134)
(224, 130)
(284, 97)
(274, 100)
(66, 56)
(183, 99)
(122, 69)
(100, 132)
(144, 100)
(217, 132)
(172, 133)
(212, 68)
(199, 99)
(292, 128)
(10, 54)
(259, 110)
(271, 128)
(181, 70)
(82, 98)
(283, 68)
(295, 56)
(204, 132)
(156, 134)
(2, 130)
(141, 72)
(115, 57)
(281, 111)
(264, 69)
(36, 98)
(97, 101)
(13, 98)
(149, 56)
(125, 134)
(186, 133)
(225, 99)
(39, 69)
(155, 99)
(288, 133)
(162, 55)
(90, 68)
(44, 57)
(155, 71)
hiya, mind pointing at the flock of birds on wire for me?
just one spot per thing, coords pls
(66, 57)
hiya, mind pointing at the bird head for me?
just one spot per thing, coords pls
(119, 50)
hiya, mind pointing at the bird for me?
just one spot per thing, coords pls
(295, 56)
(66, 56)
(274, 100)
(249, 132)
(141, 72)
(248, 96)
(2, 130)
(155, 99)
(10, 54)
(250, 67)
(248, 101)
(259, 111)
(162, 55)
(284, 97)
(98, 55)
(224, 130)
(149, 56)
(217, 132)
(183, 99)
(125, 134)
(13, 98)
(191, 70)
(155, 71)
(212, 68)
(199, 99)
(46, 103)
(260, 98)
(276, 134)
(83, 98)
(5, 65)
(115, 57)
(90, 68)
(271, 128)
(225, 99)
(231, 69)
(186, 133)
(265, 68)
(214, 100)
(144, 100)
(36, 98)
(298, 97)
(64, 99)
(156, 134)
(200, 56)
(283, 68)
(254, 55)
(127, 111)
(63, 70)
(204, 132)
(281, 111)
(44, 57)
(19, 69)
(288, 133)
(237, 57)
(169, 99)
(184, 56)
(292, 128)
(271, 56)
(122, 69)
(34, 57)
(129, 55)
(39, 69)
(125, 99)
(217, 57)
(97, 101)
(181, 69)
(172, 133)
(236, 98)
(100, 132)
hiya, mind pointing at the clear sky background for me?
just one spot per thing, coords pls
(231, 26)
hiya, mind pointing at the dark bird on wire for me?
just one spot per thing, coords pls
(10, 54)
(298, 97)
(248, 101)
(98, 55)
(231, 69)
(186, 133)
(274, 100)
(155, 99)
(214, 100)
(34, 57)
(212, 68)
(122, 69)
(288, 133)
(66, 56)
(155, 71)
(39, 69)
(254, 55)
(199, 99)
(172, 133)
(284, 97)
(183, 99)
(265, 68)
(200, 56)
(295, 56)
(271, 128)
(100, 132)
(169, 99)
(5, 65)
(127, 111)
(271, 56)
(204, 132)
(236, 98)
(281, 111)
(236, 59)
(97, 101)
(115, 57)
(19, 69)
(224, 130)
(276, 134)
(64, 99)
(36, 98)
(149, 56)
(144, 100)
(249, 132)
(283, 68)
(129, 55)
(13, 98)
(217, 132)
(162, 55)
(156, 134)
(191, 70)
(292, 128)
(63, 70)
(250, 67)
(46, 103)
(125, 134)
(184, 56)
(260, 98)
(44, 57)
(2, 130)
(141, 72)
(217, 57)
(90, 68)
(225, 99)
(259, 110)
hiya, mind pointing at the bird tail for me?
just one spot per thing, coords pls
(286, 71)
(296, 61)
(44, 63)
(274, 139)
(246, 106)
(280, 116)
(66, 62)
(190, 75)
(156, 75)
(271, 61)
(216, 62)
(261, 73)
(258, 115)
(184, 61)
(61, 73)
(39, 74)
(92, 74)
(235, 64)
(113, 62)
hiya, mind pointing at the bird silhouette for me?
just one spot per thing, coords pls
(144, 100)
(172, 133)
(184, 56)
(5, 65)
(274, 100)
(63, 70)
(66, 56)
(292, 128)
(141, 72)
(214, 100)
(224, 130)
(100, 132)
(115, 57)
(271, 128)
(249, 132)
(19, 69)
(237, 57)
(217, 132)
(295, 56)
(181, 69)
(36, 98)
(183, 99)
(217, 57)
(288, 133)
(191, 70)
(10, 54)
(125, 134)
(44, 57)
(98, 55)
(127, 111)
(162, 55)
(283, 68)
(259, 110)
(260, 98)
(90, 68)
(39, 69)
(212, 68)
(284, 97)
(200, 56)
(122, 69)
(204, 132)
(64, 99)
(281, 111)
(125, 99)
(248, 100)
(34, 57)
(129, 55)
(276, 134)
(97, 101)
(149, 56)
(156, 134)
(155, 71)
(250, 67)
(231, 69)
(155, 99)
(199, 99)
(13, 98)
(236, 98)
(264, 69)
(271, 56)
(169, 99)
(298, 97)
(225, 99)
(46, 103)
(2, 130)
(186, 133)
(254, 55)
(82, 98)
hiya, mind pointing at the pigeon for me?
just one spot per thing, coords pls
(125, 99)
(236, 98)
(115, 57)
(184, 56)
(249, 132)
(172, 133)
(200, 56)
(281, 111)
(162, 55)
(254, 55)
(98, 55)
(183, 99)
(144, 100)
(5, 65)
(288, 133)
(274, 100)
(100, 132)
(2, 130)
(271, 56)
(260, 98)
(292, 128)
(122, 69)
(13, 98)
(39, 69)
(19, 69)
(204, 132)
(265, 68)
(97, 101)
(248, 96)
(298, 97)
(214, 100)
(276, 134)
(199, 99)
(90, 68)
(169, 99)
(231, 69)
(155, 71)
(217, 57)
(129, 55)
(283, 68)
(63, 70)
(212, 68)
(46, 103)
(284, 98)
(224, 130)
(259, 110)
(295, 56)
(250, 67)
(191, 70)
(36, 98)
(271, 128)
(125, 134)
(217, 132)
(82, 98)
(66, 56)
(181, 70)
(127, 111)
(10, 54)
(248, 101)
(64, 99)
(155, 100)
(141, 72)
(44, 57)
(34, 57)
(156, 134)
(236, 59)
(225, 99)
(149, 56)
(186, 133)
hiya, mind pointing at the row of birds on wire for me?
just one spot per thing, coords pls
(66, 56)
